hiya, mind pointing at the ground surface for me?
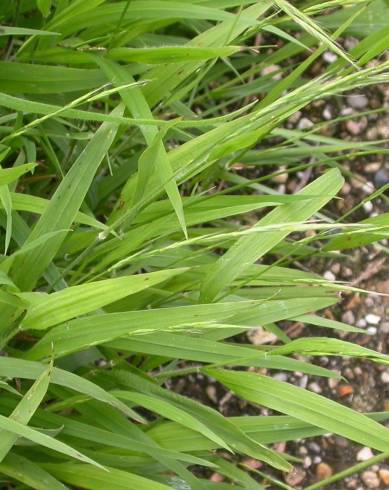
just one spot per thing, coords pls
(366, 385)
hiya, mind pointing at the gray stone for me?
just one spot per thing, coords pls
(305, 123)
(357, 101)
(372, 319)
(348, 317)
(381, 177)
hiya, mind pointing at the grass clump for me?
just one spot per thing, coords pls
(137, 239)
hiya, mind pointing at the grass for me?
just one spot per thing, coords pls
(137, 242)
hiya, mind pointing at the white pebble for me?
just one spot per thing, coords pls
(304, 123)
(307, 462)
(294, 118)
(329, 57)
(364, 454)
(303, 381)
(385, 377)
(281, 377)
(368, 206)
(372, 330)
(327, 114)
(347, 111)
(368, 187)
(357, 101)
(330, 276)
(314, 387)
(372, 319)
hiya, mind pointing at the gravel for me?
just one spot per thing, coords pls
(357, 101)
(304, 123)
(364, 454)
(381, 177)
(371, 479)
(372, 319)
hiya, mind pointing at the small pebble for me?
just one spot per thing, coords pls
(341, 442)
(212, 394)
(371, 330)
(372, 134)
(335, 268)
(346, 111)
(349, 373)
(348, 317)
(268, 70)
(384, 475)
(315, 387)
(101, 363)
(313, 446)
(323, 471)
(327, 113)
(381, 177)
(353, 483)
(385, 377)
(329, 57)
(357, 183)
(295, 477)
(355, 127)
(383, 128)
(216, 478)
(361, 323)
(369, 302)
(317, 459)
(345, 390)
(303, 381)
(368, 187)
(281, 377)
(304, 123)
(368, 206)
(350, 42)
(252, 463)
(372, 319)
(372, 168)
(364, 454)
(282, 177)
(307, 462)
(370, 479)
(259, 336)
(330, 276)
(280, 447)
(357, 101)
